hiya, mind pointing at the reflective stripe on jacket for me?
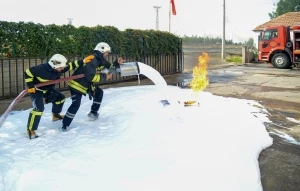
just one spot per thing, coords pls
(90, 69)
(44, 72)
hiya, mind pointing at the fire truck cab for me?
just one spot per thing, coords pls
(280, 46)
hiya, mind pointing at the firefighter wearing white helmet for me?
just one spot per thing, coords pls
(93, 65)
(48, 71)
(58, 61)
(103, 47)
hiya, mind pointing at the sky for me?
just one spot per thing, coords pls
(140, 144)
(201, 18)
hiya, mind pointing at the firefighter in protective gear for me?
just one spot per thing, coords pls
(51, 70)
(93, 64)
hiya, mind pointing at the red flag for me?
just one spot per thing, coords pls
(173, 7)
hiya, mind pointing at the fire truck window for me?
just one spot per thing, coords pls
(269, 35)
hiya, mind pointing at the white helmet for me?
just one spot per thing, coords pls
(57, 61)
(103, 47)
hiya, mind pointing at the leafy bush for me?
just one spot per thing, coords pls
(234, 59)
(31, 40)
(254, 50)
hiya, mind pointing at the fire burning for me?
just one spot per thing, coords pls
(200, 80)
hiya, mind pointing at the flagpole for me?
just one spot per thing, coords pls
(169, 16)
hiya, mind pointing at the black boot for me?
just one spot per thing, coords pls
(93, 115)
(64, 128)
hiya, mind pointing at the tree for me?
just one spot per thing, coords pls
(284, 6)
(250, 42)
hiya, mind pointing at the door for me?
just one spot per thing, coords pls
(268, 41)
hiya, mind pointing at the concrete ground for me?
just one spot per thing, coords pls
(277, 90)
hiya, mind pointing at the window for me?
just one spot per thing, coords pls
(269, 34)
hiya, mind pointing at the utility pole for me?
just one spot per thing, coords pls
(223, 38)
(170, 16)
(157, 16)
(204, 36)
(70, 21)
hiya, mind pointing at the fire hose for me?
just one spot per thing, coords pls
(24, 92)
(130, 68)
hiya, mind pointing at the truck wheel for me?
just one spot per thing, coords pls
(281, 61)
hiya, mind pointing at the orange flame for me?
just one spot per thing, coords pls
(200, 80)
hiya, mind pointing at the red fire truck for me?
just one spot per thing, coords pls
(280, 46)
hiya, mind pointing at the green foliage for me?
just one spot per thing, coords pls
(59, 39)
(21, 39)
(284, 6)
(138, 42)
(250, 42)
(30, 40)
(254, 51)
(207, 40)
(133, 42)
(234, 59)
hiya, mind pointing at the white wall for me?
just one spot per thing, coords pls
(255, 37)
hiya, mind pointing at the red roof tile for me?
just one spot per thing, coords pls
(287, 19)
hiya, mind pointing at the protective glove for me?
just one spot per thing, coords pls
(116, 63)
(88, 59)
(31, 90)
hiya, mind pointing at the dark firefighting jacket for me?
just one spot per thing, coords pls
(91, 71)
(44, 72)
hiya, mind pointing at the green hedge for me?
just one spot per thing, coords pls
(33, 40)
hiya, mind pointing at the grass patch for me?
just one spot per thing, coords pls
(234, 59)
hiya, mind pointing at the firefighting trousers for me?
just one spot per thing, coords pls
(76, 101)
(38, 107)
